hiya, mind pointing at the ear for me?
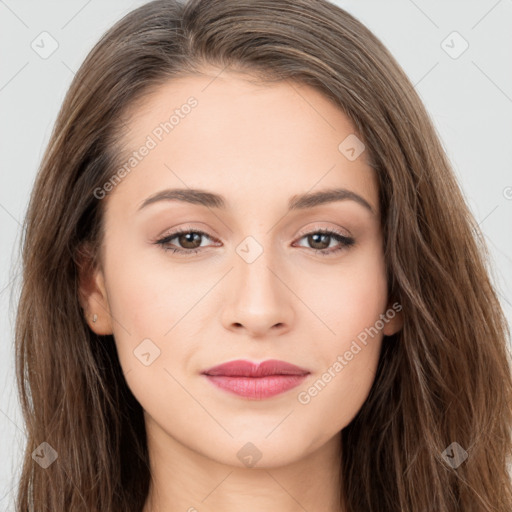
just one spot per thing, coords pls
(395, 319)
(92, 293)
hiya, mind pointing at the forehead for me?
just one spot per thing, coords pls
(222, 131)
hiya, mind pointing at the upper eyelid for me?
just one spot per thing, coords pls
(186, 230)
(308, 231)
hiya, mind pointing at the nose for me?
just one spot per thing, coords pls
(258, 302)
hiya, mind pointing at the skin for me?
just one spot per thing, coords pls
(257, 146)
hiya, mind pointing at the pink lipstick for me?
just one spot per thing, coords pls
(256, 381)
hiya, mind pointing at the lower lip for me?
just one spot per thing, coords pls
(256, 388)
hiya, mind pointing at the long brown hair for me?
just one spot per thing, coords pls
(444, 378)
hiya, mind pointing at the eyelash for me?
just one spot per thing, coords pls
(345, 241)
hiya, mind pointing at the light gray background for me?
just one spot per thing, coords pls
(469, 99)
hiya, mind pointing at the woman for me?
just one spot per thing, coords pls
(251, 280)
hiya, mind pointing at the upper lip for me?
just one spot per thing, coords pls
(241, 368)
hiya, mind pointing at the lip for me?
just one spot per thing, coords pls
(256, 381)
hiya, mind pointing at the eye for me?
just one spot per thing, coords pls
(190, 241)
(320, 240)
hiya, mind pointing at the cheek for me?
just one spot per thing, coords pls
(350, 297)
(146, 302)
(349, 341)
(147, 295)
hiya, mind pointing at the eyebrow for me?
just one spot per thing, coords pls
(296, 202)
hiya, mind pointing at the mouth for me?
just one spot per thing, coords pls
(256, 381)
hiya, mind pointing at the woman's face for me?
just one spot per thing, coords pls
(255, 278)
